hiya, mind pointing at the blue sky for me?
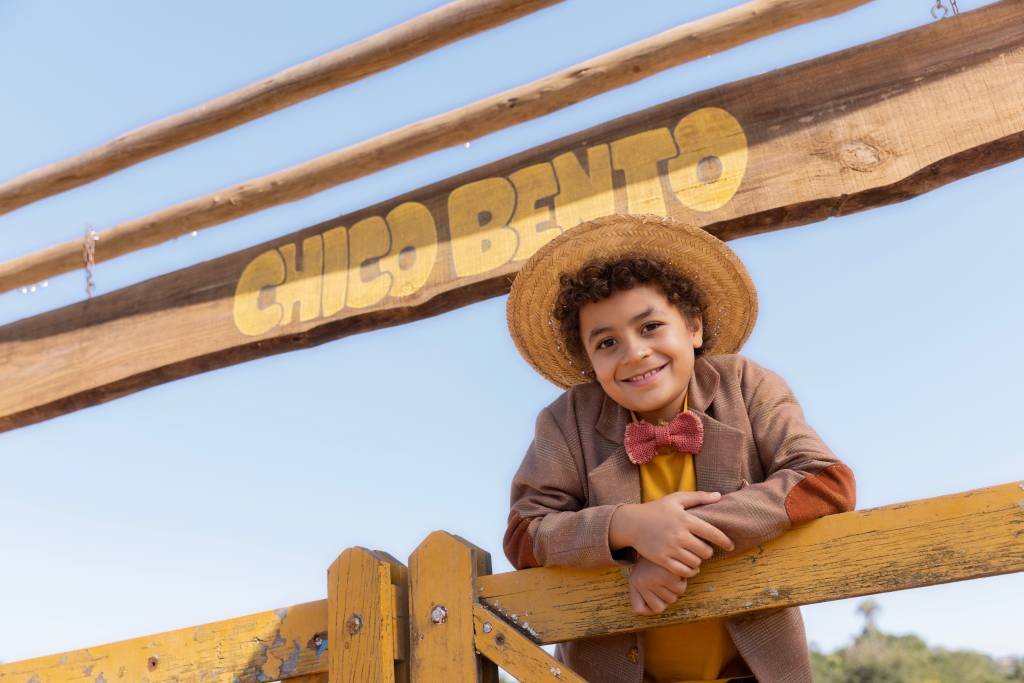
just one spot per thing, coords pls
(231, 492)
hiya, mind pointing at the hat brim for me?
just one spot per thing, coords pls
(730, 296)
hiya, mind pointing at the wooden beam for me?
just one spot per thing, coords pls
(515, 653)
(909, 114)
(368, 618)
(283, 644)
(685, 43)
(924, 543)
(442, 571)
(962, 536)
(401, 43)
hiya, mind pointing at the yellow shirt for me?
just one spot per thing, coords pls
(697, 651)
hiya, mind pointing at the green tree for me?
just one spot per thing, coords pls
(876, 657)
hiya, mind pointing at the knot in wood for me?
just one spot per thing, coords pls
(860, 156)
(151, 663)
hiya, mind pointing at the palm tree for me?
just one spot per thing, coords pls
(869, 609)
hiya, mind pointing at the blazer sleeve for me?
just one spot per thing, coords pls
(804, 480)
(549, 523)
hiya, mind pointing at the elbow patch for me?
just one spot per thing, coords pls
(830, 491)
(517, 544)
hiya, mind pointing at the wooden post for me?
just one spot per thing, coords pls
(442, 574)
(367, 618)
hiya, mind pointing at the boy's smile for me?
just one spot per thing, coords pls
(642, 350)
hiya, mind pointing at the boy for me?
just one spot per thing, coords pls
(667, 448)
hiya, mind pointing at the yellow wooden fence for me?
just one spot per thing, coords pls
(445, 617)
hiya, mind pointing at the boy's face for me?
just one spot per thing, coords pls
(641, 348)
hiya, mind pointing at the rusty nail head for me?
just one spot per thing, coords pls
(354, 624)
(487, 627)
(439, 614)
(151, 663)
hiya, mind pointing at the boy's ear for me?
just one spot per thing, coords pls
(697, 328)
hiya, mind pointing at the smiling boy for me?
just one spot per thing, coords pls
(667, 449)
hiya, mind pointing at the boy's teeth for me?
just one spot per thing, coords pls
(643, 376)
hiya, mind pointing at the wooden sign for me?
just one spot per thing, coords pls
(862, 128)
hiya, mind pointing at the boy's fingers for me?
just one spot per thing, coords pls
(679, 568)
(637, 602)
(665, 594)
(654, 603)
(699, 548)
(687, 573)
(687, 557)
(689, 499)
(711, 533)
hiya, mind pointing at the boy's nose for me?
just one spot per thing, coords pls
(639, 350)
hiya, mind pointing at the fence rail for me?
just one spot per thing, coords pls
(718, 32)
(447, 617)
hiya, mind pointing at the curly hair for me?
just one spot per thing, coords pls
(600, 278)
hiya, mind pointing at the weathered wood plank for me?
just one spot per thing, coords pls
(408, 40)
(288, 643)
(368, 622)
(699, 38)
(782, 149)
(951, 538)
(514, 652)
(442, 573)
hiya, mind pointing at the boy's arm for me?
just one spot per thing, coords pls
(804, 480)
(549, 523)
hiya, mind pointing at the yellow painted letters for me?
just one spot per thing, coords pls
(535, 226)
(369, 241)
(478, 216)
(413, 248)
(335, 270)
(266, 270)
(301, 285)
(637, 156)
(712, 159)
(582, 195)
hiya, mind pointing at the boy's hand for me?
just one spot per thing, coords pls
(653, 588)
(665, 533)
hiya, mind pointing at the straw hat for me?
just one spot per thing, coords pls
(729, 293)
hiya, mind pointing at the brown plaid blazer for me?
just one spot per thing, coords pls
(773, 470)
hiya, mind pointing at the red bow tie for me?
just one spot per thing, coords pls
(684, 433)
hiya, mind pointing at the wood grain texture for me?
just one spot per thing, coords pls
(514, 652)
(685, 43)
(799, 145)
(951, 538)
(368, 624)
(401, 43)
(284, 644)
(442, 572)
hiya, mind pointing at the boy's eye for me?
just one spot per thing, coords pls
(650, 327)
(605, 343)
